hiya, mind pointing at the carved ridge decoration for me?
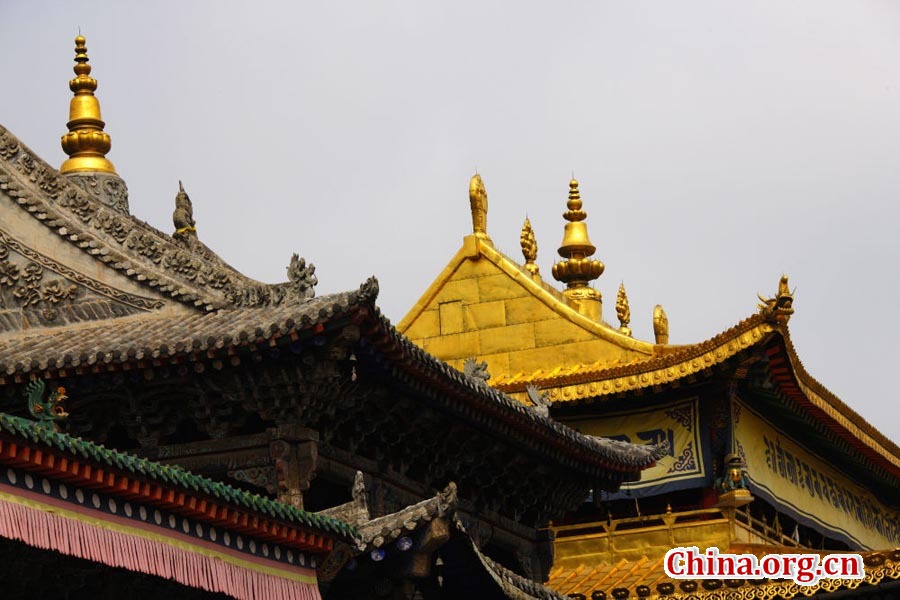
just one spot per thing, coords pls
(88, 282)
(189, 272)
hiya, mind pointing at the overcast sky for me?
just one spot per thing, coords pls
(718, 144)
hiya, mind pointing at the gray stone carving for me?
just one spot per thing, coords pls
(90, 210)
(109, 188)
(183, 217)
(302, 276)
(540, 400)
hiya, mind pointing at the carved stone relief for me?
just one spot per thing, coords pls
(107, 187)
(99, 201)
(37, 291)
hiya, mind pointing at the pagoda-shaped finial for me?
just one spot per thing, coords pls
(660, 325)
(478, 201)
(622, 310)
(86, 143)
(577, 271)
(529, 247)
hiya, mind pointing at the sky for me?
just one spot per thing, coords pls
(717, 144)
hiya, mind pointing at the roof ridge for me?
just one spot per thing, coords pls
(184, 270)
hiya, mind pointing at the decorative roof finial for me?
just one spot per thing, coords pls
(49, 411)
(478, 202)
(476, 370)
(577, 271)
(183, 217)
(622, 310)
(660, 325)
(86, 143)
(529, 247)
(781, 307)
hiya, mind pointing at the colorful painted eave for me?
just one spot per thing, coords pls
(647, 579)
(477, 247)
(38, 447)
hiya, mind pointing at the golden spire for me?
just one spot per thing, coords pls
(622, 310)
(478, 202)
(86, 143)
(529, 247)
(660, 325)
(577, 271)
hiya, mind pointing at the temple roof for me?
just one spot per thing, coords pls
(227, 334)
(385, 531)
(170, 476)
(486, 305)
(65, 224)
(595, 382)
(463, 265)
(67, 495)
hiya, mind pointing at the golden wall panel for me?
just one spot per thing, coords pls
(485, 315)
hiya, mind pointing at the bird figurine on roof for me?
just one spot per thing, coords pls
(47, 411)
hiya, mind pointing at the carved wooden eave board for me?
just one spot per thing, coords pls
(68, 257)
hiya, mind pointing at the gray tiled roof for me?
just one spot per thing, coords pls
(138, 338)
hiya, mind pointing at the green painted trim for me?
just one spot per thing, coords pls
(172, 475)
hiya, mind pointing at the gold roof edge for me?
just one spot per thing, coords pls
(643, 374)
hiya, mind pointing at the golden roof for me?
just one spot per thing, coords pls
(647, 579)
(479, 307)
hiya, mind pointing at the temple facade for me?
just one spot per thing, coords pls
(760, 458)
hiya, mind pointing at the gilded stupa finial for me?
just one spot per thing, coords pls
(478, 202)
(529, 247)
(660, 325)
(577, 271)
(622, 310)
(86, 143)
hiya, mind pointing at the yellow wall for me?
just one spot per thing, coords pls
(482, 311)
